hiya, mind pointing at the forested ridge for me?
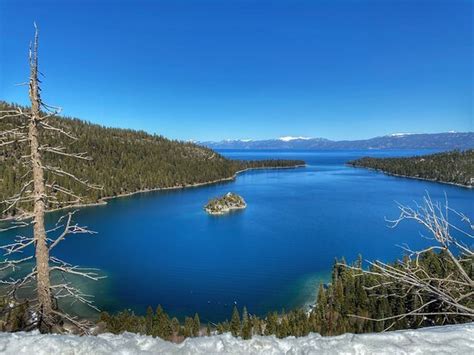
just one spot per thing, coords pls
(455, 167)
(122, 161)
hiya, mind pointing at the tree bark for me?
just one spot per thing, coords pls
(41, 251)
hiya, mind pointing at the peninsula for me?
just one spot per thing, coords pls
(453, 167)
(122, 162)
(224, 204)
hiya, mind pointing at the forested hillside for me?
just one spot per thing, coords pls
(452, 167)
(122, 161)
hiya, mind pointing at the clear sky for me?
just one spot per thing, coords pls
(211, 70)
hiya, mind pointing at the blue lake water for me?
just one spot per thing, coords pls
(162, 248)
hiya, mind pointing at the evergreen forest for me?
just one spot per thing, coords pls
(455, 167)
(122, 161)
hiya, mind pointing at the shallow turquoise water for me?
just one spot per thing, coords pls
(161, 247)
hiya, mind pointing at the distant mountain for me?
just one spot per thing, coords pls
(448, 141)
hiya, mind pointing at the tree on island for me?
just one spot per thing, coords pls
(22, 136)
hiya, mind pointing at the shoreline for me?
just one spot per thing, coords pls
(226, 211)
(103, 201)
(411, 177)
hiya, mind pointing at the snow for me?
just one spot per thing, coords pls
(457, 339)
(400, 134)
(291, 138)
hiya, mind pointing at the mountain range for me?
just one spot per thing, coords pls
(445, 141)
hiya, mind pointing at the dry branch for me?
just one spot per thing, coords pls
(23, 128)
(449, 295)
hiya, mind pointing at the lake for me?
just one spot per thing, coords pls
(162, 248)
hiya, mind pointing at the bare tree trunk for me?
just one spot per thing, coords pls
(30, 128)
(42, 251)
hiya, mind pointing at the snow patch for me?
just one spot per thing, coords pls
(400, 134)
(291, 138)
(456, 339)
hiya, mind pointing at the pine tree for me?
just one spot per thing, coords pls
(283, 328)
(320, 311)
(167, 327)
(246, 325)
(175, 326)
(149, 321)
(196, 325)
(256, 325)
(339, 297)
(235, 322)
(188, 327)
(272, 323)
(158, 322)
(226, 326)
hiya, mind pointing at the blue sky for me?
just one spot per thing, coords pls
(211, 70)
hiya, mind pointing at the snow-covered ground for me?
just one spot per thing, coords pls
(457, 339)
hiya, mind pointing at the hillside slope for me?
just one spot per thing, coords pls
(456, 339)
(123, 161)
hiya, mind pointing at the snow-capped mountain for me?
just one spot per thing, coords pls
(400, 134)
(444, 141)
(291, 138)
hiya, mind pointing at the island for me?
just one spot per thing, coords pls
(224, 204)
(140, 163)
(454, 167)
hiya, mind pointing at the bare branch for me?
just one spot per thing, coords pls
(31, 126)
(69, 228)
(55, 129)
(451, 293)
(59, 172)
(60, 151)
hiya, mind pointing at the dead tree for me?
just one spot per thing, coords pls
(450, 295)
(25, 128)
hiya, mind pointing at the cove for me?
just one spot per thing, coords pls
(162, 248)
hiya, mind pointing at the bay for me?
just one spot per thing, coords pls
(162, 248)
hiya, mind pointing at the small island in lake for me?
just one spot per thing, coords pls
(224, 204)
